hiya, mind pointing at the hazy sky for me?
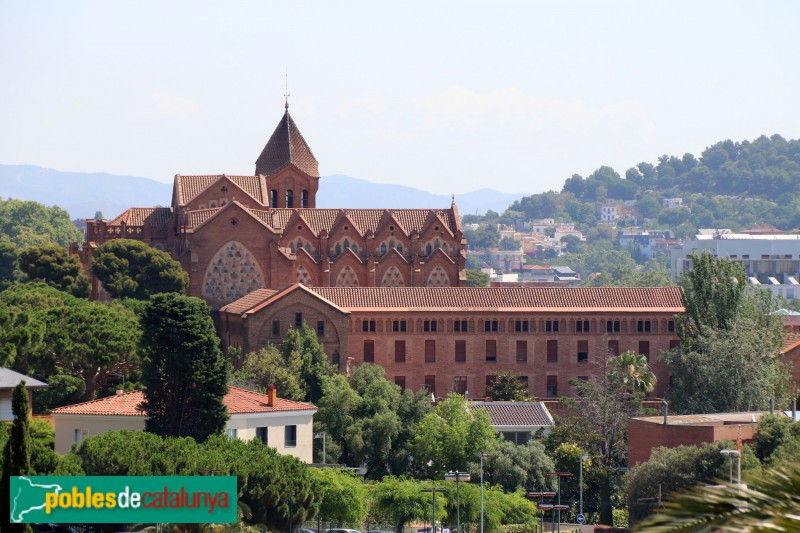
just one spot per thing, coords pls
(443, 96)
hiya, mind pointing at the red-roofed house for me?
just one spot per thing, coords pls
(457, 339)
(283, 424)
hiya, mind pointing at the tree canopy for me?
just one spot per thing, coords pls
(132, 269)
(184, 372)
(26, 223)
(54, 265)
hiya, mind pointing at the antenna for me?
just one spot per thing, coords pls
(286, 94)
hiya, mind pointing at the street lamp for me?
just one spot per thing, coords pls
(322, 435)
(482, 455)
(434, 490)
(738, 455)
(542, 495)
(455, 475)
(559, 506)
(583, 458)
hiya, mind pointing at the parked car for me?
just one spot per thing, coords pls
(342, 530)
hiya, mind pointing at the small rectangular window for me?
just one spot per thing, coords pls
(368, 326)
(400, 381)
(461, 351)
(460, 384)
(643, 326)
(298, 320)
(429, 326)
(460, 326)
(399, 326)
(369, 351)
(276, 328)
(552, 351)
(491, 351)
(583, 351)
(674, 343)
(551, 326)
(671, 326)
(231, 433)
(644, 349)
(613, 348)
(399, 351)
(320, 328)
(290, 436)
(522, 351)
(552, 387)
(521, 326)
(490, 379)
(430, 384)
(582, 326)
(490, 325)
(262, 434)
(430, 351)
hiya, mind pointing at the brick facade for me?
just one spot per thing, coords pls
(458, 345)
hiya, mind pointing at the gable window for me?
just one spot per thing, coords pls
(490, 325)
(429, 326)
(521, 326)
(276, 328)
(368, 326)
(583, 351)
(582, 326)
(398, 326)
(290, 436)
(399, 351)
(552, 351)
(460, 326)
(491, 351)
(430, 351)
(461, 351)
(320, 328)
(522, 351)
(369, 351)
(298, 320)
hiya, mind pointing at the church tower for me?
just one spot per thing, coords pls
(289, 166)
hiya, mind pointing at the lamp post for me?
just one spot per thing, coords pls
(433, 490)
(738, 455)
(542, 495)
(559, 475)
(583, 458)
(322, 435)
(482, 455)
(455, 475)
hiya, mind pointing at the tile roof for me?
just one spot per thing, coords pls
(630, 299)
(252, 185)
(324, 219)
(238, 401)
(10, 379)
(515, 413)
(791, 340)
(188, 187)
(248, 301)
(156, 217)
(287, 145)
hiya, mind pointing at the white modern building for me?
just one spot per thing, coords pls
(770, 261)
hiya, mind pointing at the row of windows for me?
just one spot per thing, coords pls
(288, 198)
(520, 326)
(460, 383)
(490, 351)
(262, 435)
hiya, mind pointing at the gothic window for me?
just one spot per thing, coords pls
(338, 249)
(291, 247)
(383, 248)
(393, 278)
(436, 244)
(445, 248)
(304, 198)
(354, 247)
(438, 278)
(289, 198)
(303, 276)
(347, 243)
(347, 277)
(428, 249)
(212, 203)
(299, 244)
(273, 198)
(391, 244)
(232, 273)
(308, 247)
(400, 247)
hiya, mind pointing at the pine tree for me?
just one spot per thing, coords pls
(16, 455)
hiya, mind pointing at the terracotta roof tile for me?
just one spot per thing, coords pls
(285, 146)
(515, 413)
(248, 301)
(156, 217)
(189, 187)
(665, 299)
(252, 185)
(791, 339)
(198, 217)
(238, 401)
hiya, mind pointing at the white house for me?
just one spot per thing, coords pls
(286, 425)
(517, 421)
(8, 382)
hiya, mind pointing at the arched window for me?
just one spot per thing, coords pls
(304, 198)
(308, 247)
(383, 248)
(445, 248)
(289, 198)
(212, 203)
(273, 198)
(393, 278)
(299, 244)
(436, 244)
(338, 249)
(347, 243)
(291, 247)
(391, 244)
(428, 249)
(354, 248)
(400, 247)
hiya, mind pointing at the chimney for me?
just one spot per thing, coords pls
(272, 392)
(119, 392)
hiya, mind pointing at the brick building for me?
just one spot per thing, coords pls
(456, 339)
(235, 234)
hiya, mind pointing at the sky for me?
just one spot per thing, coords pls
(443, 96)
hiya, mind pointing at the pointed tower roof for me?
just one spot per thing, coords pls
(287, 145)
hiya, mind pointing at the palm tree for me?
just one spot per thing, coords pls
(636, 375)
(769, 502)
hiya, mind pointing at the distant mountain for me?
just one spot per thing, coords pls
(339, 190)
(83, 194)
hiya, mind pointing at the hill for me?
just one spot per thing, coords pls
(83, 194)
